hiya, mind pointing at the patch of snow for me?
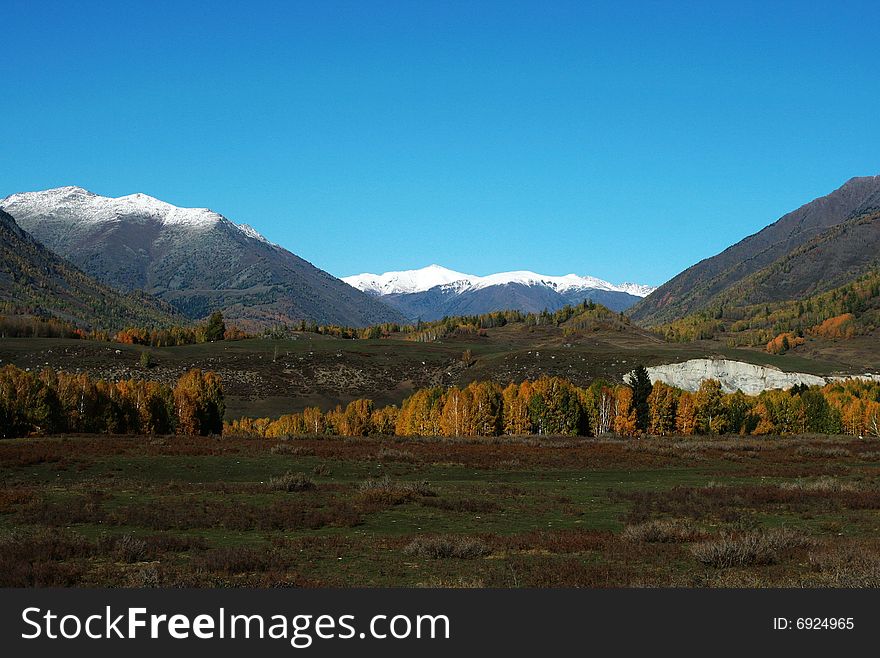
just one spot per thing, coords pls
(253, 233)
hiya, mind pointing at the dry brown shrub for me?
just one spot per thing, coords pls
(818, 451)
(287, 448)
(822, 484)
(662, 531)
(447, 546)
(384, 490)
(752, 548)
(290, 482)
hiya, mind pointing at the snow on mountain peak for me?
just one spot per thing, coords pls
(637, 289)
(409, 281)
(406, 281)
(92, 208)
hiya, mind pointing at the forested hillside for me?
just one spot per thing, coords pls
(37, 284)
(844, 312)
(823, 245)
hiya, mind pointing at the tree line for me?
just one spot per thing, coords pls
(554, 406)
(213, 329)
(53, 402)
(586, 315)
(460, 325)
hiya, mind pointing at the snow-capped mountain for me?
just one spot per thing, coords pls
(423, 279)
(406, 281)
(193, 258)
(93, 209)
(435, 291)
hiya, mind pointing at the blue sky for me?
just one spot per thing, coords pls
(625, 141)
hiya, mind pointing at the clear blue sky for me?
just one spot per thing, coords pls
(626, 141)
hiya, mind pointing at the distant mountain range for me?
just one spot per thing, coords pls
(108, 262)
(193, 258)
(36, 282)
(820, 246)
(433, 292)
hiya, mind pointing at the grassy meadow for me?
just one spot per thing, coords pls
(206, 512)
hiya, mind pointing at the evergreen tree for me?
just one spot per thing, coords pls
(215, 327)
(640, 383)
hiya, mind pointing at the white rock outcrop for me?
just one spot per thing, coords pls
(733, 375)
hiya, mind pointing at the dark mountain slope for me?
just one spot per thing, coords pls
(193, 258)
(36, 282)
(805, 251)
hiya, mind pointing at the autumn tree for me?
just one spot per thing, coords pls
(27, 405)
(738, 411)
(625, 420)
(555, 408)
(872, 418)
(686, 414)
(600, 401)
(709, 408)
(313, 419)
(384, 420)
(420, 413)
(287, 425)
(662, 403)
(818, 414)
(199, 403)
(356, 420)
(516, 409)
(486, 416)
(455, 416)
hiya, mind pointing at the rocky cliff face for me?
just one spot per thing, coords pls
(733, 375)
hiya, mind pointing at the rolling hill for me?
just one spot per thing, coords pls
(193, 258)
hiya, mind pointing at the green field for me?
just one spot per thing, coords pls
(117, 511)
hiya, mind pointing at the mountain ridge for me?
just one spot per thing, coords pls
(432, 292)
(423, 279)
(194, 258)
(800, 253)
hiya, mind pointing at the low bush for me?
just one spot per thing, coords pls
(822, 484)
(815, 451)
(392, 492)
(447, 546)
(394, 455)
(291, 482)
(662, 531)
(752, 548)
(287, 448)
